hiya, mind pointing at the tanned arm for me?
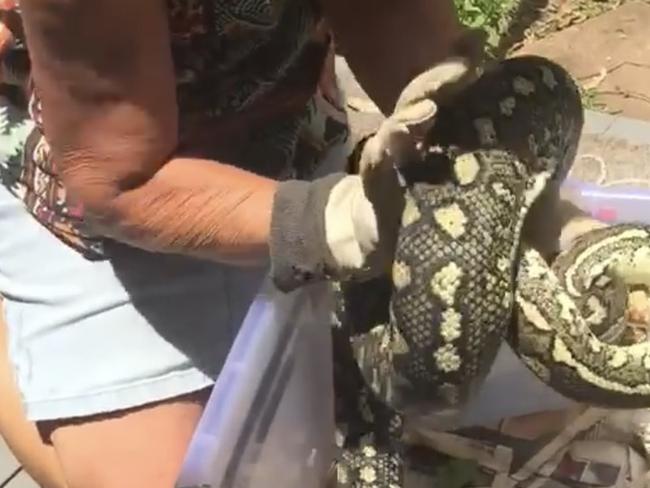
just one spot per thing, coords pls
(387, 42)
(105, 77)
(104, 74)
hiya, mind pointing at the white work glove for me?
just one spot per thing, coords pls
(345, 225)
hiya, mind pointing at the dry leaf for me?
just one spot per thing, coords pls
(596, 80)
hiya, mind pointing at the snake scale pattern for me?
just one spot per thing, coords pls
(464, 279)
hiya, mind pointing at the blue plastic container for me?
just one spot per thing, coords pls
(611, 203)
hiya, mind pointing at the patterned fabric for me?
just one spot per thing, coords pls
(228, 54)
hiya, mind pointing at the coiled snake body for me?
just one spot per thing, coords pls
(464, 280)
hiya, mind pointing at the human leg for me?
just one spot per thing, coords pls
(113, 359)
(37, 458)
(143, 446)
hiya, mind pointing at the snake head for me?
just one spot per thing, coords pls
(440, 83)
(400, 138)
(404, 132)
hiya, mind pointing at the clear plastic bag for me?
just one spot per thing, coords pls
(269, 420)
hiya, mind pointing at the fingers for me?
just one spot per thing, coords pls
(6, 38)
(392, 145)
(418, 103)
(471, 45)
(428, 84)
(10, 30)
(415, 112)
(414, 121)
(398, 141)
(399, 138)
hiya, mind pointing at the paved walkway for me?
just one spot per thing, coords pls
(10, 476)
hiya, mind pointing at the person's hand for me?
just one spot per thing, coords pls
(14, 69)
(345, 226)
(398, 140)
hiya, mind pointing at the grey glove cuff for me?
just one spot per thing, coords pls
(298, 243)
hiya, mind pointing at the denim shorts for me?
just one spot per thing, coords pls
(89, 337)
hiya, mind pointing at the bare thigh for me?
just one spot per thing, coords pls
(22, 437)
(139, 447)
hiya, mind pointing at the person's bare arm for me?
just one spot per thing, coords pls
(105, 77)
(387, 42)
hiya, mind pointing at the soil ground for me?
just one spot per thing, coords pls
(609, 55)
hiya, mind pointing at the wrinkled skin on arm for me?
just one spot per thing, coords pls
(104, 74)
(105, 77)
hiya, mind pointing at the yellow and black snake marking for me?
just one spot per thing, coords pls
(463, 280)
(492, 152)
(564, 309)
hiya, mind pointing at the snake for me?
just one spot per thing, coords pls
(465, 278)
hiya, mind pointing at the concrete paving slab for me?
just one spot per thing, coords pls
(614, 150)
(8, 463)
(22, 481)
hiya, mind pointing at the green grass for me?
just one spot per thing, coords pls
(590, 100)
(490, 15)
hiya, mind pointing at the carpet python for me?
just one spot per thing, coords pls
(464, 280)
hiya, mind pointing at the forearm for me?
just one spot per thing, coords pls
(195, 207)
(386, 43)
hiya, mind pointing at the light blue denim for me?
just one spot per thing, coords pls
(90, 337)
(93, 337)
